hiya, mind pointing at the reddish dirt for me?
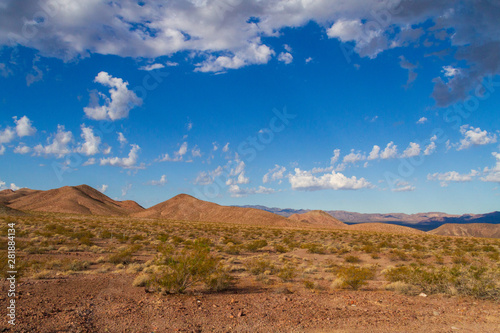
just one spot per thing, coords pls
(109, 303)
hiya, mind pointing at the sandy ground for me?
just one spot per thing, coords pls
(109, 303)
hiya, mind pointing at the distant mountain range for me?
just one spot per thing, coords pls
(86, 200)
(398, 218)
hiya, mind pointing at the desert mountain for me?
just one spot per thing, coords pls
(7, 211)
(486, 230)
(383, 227)
(184, 207)
(318, 218)
(81, 199)
(7, 196)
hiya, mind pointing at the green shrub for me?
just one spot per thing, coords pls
(258, 266)
(256, 245)
(354, 277)
(189, 268)
(124, 257)
(287, 273)
(352, 259)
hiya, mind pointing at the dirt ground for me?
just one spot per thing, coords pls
(109, 303)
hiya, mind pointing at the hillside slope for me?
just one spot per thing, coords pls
(81, 199)
(485, 230)
(318, 218)
(187, 208)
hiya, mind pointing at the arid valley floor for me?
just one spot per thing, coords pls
(148, 272)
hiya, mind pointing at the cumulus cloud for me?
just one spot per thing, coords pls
(475, 137)
(237, 173)
(390, 151)
(430, 148)
(305, 181)
(207, 178)
(2, 149)
(412, 150)
(452, 176)
(24, 127)
(57, 144)
(90, 161)
(229, 34)
(22, 149)
(374, 154)
(162, 181)
(128, 162)
(274, 174)
(353, 157)
(120, 101)
(91, 142)
(422, 120)
(492, 174)
(122, 139)
(285, 57)
(238, 192)
(103, 188)
(7, 135)
(226, 148)
(335, 157)
(178, 155)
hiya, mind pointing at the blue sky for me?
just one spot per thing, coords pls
(363, 106)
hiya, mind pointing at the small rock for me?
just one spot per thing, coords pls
(435, 313)
(422, 295)
(454, 328)
(241, 314)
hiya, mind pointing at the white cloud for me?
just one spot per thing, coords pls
(189, 126)
(374, 154)
(390, 151)
(402, 186)
(306, 181)
(308, 60)
(24, 127)
(222, 33)
(91, 142)
(117, 105)
(122, 139)
(215, 146)
(450, 71)
(171, 64)
(90, 161)
(7, 135)
(475, 137)
(422, 120)
(226, 148)
(238, 192)
(14, 187)
(431, 147)
(274, 174)
(335, 157)
(207, 178)
(128, 162)
(125, 189)
(196, 152)
(237, 173)
(162, 181)
(353, 157)
(452, 176)
(22, 149)
(412, 150)
(58, 146)
(492, 174)
(151, 67)
(103, 188)
(2, 149)
(285, 57)
(178, 155)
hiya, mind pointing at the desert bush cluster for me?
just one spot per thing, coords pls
(179, 257)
